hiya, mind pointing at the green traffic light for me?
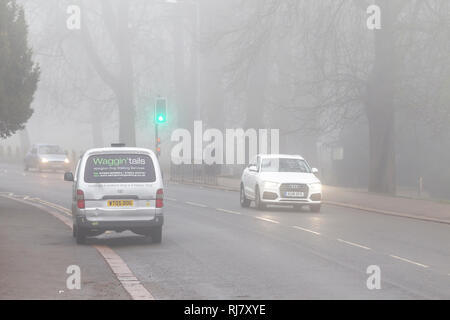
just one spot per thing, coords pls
(160, 111)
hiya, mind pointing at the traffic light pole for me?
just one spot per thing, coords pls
(157, 140)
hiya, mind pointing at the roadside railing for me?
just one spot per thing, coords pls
(194, 173)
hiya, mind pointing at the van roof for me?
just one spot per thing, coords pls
(118, 150)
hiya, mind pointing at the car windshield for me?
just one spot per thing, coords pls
(50, 150)
(284, 165)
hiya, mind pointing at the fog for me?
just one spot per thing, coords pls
(365, 100)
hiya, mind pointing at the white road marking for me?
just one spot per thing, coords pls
(267, 220)
(307, 230)
(354, 244)
(409, 261)
(228, 211)
(196, 204)
(170, 199)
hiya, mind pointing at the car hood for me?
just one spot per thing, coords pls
(289, 177)
(53, 157)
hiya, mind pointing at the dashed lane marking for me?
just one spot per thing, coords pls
(228, 211)
(307, 230)
(353, 244)
(196, 204)
(267, 220)
(409, 261)
(170, 199)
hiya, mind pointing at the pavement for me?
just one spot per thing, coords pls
(214, 249)
(35, 253)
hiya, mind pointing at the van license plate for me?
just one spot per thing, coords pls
(120, 203)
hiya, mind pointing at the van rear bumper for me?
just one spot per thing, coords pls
(103, 225)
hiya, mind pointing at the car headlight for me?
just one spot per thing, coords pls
(66, 160)
(44, 160)
(271, 185)
(315, 187)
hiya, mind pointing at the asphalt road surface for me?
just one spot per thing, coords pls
(214, 249)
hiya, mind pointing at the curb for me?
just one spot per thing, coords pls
(334, 203)
(385, 212)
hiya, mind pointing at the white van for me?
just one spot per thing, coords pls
(117, 189)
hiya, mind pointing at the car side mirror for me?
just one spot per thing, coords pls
(68, 176)
(314, 170)
(252, 168)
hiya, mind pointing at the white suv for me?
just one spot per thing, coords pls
(280, 179)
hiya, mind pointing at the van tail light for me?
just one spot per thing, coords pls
(159, 198)
(80, 199)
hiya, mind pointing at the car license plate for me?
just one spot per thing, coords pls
(120, 203)
(294, 194)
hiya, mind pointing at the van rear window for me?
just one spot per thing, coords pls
(112, 168)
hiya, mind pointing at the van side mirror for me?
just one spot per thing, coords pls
(314, 170)
(68, 176)
(252, 168)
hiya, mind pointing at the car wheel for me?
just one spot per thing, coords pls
(156, 235)
(245, 203)
(80, 236)
(258, 203)
(315, 207)
(74, 230)
(26, 168)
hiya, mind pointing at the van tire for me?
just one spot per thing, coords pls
(156, 234)
(80, 236)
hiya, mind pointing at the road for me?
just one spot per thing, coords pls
(214, 249)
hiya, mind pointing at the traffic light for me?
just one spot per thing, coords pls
(161, 111)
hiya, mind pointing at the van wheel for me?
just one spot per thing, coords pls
(245, 203)
(80, 236)
(156, 234)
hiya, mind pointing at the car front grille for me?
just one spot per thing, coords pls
(294, 187)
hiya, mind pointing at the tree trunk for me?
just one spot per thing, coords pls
(121, 84)
(24, 141)
(127, 133)
(96, 126)
(380, 107)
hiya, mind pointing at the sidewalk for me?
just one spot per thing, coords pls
(397, 206)
(35, 252)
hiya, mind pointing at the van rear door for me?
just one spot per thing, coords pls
(121, 180)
